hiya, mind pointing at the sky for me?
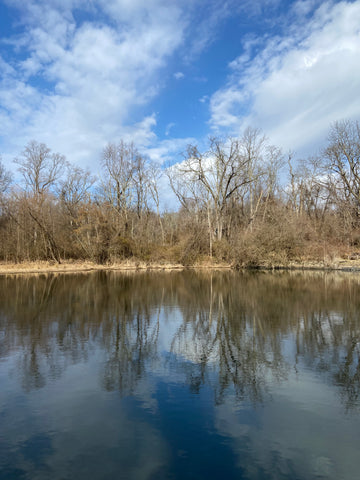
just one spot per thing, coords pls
(78, 74)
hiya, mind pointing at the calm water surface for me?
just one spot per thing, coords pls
(180, 375)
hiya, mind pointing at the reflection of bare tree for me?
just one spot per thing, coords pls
(244, 362)
(32, 328)
(131, 346)
(56, 320)
(349, 373)
(228, 336)
(254, 314)
(331, 343)
(232, 330)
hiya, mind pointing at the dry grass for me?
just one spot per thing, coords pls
(343, 263)
(86, 266)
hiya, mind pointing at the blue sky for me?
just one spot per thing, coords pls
(77, 74)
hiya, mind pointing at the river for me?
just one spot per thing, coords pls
(180, 375)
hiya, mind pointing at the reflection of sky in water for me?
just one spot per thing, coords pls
(110, 405)
(301, 433)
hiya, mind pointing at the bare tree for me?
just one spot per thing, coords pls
(342, 158)
(308, 191)
(154, 177)
(5, 181)
(39, 167)
(270, 189)
(5, 178)
(252, 146)
(74, 188)
(118, 163)
(220, 172)
(140, 182)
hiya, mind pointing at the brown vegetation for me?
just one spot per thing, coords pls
(241, 204)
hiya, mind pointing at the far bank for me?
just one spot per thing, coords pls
(68, 266)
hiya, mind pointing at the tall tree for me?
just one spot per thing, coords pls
(118, 162)
(342, 158)
(40, 167)
(220, 173)
(5, 178)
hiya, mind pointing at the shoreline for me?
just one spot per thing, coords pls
(8, 268)
(44, 267)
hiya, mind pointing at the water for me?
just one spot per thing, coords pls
(180, 375)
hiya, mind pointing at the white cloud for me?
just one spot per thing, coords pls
(169, 127)
(84, 72)
(179, 75)
(302, 8)
(298, 84)
(204, 99)
(78, 86)
(169, 151)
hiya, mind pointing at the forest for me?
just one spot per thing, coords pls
(240, 200)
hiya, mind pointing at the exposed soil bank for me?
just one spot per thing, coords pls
(73, 267)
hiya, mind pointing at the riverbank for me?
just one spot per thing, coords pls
(7, 268)
(74, 267)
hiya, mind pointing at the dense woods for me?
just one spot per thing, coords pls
(241, 200)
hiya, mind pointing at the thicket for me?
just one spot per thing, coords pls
(240, 201)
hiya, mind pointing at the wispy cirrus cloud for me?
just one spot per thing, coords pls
(295, 84)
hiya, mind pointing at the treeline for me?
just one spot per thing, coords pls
(241, 201)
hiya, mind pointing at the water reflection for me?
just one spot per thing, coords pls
(238, 325)
(235, 341)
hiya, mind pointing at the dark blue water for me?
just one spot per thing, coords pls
(180, 375)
